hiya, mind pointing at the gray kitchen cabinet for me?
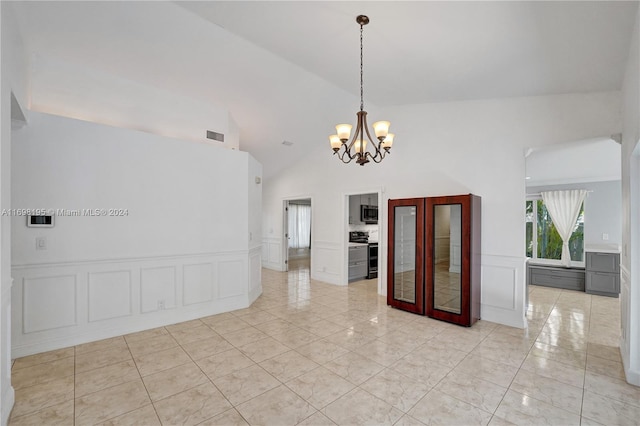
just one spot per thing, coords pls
(358, 262)
(354, 210)
(557, 277)
(603, 274)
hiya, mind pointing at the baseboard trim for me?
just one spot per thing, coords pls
(632, 376)
(8, 399)
(502, 316)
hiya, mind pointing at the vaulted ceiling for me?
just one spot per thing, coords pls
(290, 70)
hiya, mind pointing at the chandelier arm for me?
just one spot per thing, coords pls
(347, 154)
(357, 132)
(378, 159)
(375, 146)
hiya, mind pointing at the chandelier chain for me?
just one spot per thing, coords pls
(361, 73)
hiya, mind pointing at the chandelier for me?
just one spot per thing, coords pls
(357, 148)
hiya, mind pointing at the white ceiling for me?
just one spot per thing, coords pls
(417, 52)
(290, 70)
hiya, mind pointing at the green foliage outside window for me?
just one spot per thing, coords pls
(549, 243)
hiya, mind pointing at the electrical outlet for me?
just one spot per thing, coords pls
(605, 237)
(160, 305)
(41, 243)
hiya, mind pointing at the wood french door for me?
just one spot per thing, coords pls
(448, 294)
(405, 269)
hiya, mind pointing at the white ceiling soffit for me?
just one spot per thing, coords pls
(592, 160)
(418, 52)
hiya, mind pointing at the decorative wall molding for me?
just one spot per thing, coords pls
(325, 264)
(126, 260)
(255, 274)
(272, 253)
(158, 284)
(503, 290)
(50, 302)
(108, 296)
(93, 301)
(632, 375)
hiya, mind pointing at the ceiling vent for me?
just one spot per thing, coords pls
(287, 143)
(215, 136)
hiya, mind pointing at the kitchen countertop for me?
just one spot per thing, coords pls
(357, 244)
(602, 248)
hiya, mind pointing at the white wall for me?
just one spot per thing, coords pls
(70, 90)
(12, 80)
(603, 209)
(182, 249)
(630, 260)
(254, 220)
(446, 149)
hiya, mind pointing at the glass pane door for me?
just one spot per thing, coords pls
(447, 263)
(447, 224)
(406, 242)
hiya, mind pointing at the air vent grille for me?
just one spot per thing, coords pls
(215, 136)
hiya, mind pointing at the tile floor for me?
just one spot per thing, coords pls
(314, 354)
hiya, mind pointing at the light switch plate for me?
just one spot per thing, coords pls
(41, 243)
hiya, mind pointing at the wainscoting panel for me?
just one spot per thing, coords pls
(625, 320)
(109, 295)
(65, 304)
(255, 274)
(503, 290)
(157, 288)
(272, 253)
(327, 261)
(51, 303)
(229, 274)
(499, 282)
(197, 283)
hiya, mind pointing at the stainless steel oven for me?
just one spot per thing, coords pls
(372, 261)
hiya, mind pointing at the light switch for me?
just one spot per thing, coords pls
(41, 243)
(605, 237)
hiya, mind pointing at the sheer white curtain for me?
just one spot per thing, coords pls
(564, 208)
(299, 226)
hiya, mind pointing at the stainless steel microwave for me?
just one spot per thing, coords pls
(369, 214)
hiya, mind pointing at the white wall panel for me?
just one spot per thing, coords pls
(197, 283)
(255, 274)
(109, 295)
(324, 258)
(498, 286)
(50, 303)
(272, 253)
(157, 285)
(503, 287)
(89, 301)
(230, 275)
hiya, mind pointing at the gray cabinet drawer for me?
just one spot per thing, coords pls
(571, 279)
(357, 270)
(357, 254)
(603, 284)
(603, 262)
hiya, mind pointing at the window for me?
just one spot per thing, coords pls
(543, 241)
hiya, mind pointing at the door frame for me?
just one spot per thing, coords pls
(382, 236)
(284, 255)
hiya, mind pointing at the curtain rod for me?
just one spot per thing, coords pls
(540, 194)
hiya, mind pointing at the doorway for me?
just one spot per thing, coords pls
(363, 224)
(297, 228)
